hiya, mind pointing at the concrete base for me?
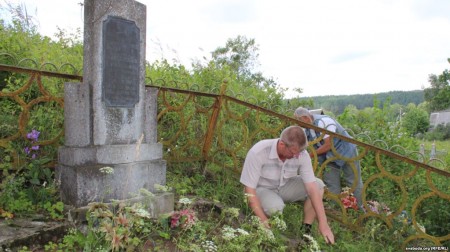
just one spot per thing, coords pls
(160, 203)
(81, 185)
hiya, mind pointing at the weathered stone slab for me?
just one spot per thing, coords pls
(85, 184)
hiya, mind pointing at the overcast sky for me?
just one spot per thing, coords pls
(325, 47)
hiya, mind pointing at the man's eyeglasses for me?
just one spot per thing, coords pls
(294, 153)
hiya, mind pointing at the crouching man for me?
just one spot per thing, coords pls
(280, 170)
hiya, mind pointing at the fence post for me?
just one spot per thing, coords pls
(433, 150)
(212, 123)
(422, 152)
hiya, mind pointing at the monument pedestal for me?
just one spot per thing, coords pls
(81, 185)
(111, 150)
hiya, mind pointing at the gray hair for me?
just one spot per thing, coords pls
(294, 135)
(299, 112)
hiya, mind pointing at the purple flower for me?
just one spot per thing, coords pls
(27, 150)
(33, 156)
(33, 135)
(35, 147)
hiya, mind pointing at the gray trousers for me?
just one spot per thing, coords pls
(272, 200)
(332, 178)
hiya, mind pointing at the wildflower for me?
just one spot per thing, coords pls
(242, 231)
(278, 223)
(255, 221)
(267, 233)
(107, 170)
(231, 212)
(228, 233)
(378, 208)
(349, 201)
(209, 246)
(185, 201)
(314, 246)
(373, 206)
(184, 218)
(33, 135)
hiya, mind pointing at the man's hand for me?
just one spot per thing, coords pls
(255, 205)
(266, 223)
(325, 230)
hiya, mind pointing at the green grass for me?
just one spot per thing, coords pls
(219, 187)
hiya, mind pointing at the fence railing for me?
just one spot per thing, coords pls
(218, 129)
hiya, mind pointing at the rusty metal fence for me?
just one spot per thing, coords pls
(217, 128)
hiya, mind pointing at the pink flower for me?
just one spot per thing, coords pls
(184, 218)
(349, 202)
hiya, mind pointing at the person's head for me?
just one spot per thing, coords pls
(303, 115)
(292, 142)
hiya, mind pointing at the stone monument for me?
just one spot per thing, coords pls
(111, 150)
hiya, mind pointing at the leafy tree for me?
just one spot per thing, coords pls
(240, 54)
(415, 120)
(438, 94)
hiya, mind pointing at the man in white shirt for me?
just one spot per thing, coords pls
(280, 170)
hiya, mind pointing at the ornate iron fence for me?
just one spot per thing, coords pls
(218, 129)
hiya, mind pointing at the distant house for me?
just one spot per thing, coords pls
(440, 117)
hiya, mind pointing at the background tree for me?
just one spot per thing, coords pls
(240, 54)
(438, 95)
(415, 120)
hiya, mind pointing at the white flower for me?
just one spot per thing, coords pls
(278, 223)
(209, 246)
(142, 213)
(228, 233)
(232, 212)
(242, 231)
(313, 246)
(268, 234)
(185, 201)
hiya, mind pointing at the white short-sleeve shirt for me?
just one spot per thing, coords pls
(263, 167)
(328, 124)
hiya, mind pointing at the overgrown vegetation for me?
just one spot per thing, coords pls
(211, 213)
(204, 222)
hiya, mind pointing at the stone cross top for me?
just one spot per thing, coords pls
(110, 149)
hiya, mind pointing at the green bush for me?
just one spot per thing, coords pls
(440, 133)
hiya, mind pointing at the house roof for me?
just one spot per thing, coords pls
(441, 117)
